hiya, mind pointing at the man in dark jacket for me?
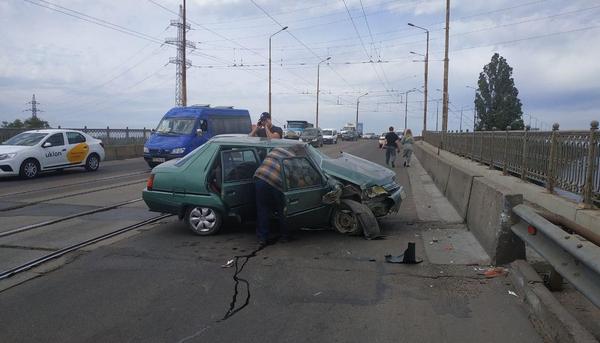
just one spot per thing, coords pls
(391, 146)
(265, 128)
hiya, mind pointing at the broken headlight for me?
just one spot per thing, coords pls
(375, 191)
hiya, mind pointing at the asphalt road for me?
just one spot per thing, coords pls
(164, 284)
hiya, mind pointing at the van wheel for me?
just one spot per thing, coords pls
(345, 221)
(92, 163)
(30, 168)
(203, 221)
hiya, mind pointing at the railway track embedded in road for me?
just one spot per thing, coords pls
(61, 252)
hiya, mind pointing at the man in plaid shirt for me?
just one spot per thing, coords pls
(269, 192)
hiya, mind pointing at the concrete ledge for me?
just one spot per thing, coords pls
(490, 218)
(438, 169)
(548, 316)
(121, 152)
(458, 190)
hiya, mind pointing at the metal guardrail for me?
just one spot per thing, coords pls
(567, 160)
(574, 258)
(108, 136)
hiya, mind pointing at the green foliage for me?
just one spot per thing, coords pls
(496, 100)
(29, 123)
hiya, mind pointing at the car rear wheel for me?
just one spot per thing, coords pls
(92, 163)
(30, 168)
(203, 221)
(345, 221)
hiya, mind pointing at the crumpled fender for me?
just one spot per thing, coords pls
(367, 220)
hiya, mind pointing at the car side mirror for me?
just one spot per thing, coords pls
(46, 145)
(199, 132)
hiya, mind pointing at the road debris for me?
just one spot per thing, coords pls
(229, 264)
(494, 272)
(513, 293)
(317, 294)
(408, 257)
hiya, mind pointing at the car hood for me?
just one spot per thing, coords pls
(357, 170)
(159, 141)
(7, 149)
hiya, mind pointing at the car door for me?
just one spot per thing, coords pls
(77, 149)
(304, 189)
(54, 151)
(237, 190)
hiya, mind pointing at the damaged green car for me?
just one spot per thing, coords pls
(214, 184)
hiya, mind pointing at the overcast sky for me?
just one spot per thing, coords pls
(98, 74)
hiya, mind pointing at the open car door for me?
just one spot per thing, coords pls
(237, 191)
(304, 189)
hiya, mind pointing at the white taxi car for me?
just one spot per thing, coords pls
(31, 152)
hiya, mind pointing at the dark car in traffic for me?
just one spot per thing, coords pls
(312, 136)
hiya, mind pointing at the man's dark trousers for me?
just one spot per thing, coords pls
(268, 200)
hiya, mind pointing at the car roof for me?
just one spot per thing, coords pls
(253, 141)
(52, 130)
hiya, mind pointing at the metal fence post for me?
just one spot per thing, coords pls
(551, 159)
(473, 147)
(481, 133)
(590, 165)
(505, 165)
(144, 132)
(492, 143)
(524, 154)
(107, 132)
(85, 129)
(127, 132)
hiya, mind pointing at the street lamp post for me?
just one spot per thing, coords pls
(426, 76)
(406, 107)
(282, 29)
(358, 102)
(318, 69)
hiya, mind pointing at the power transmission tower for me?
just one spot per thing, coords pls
(181, 62)
(34, 110)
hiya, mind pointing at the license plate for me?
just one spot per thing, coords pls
(158, 159)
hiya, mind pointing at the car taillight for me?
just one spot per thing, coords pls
(150, 182)
(531, 230)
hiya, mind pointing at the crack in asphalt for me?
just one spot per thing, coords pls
(239, 267)
(22, 247)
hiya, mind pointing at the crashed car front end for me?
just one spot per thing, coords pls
(366, 182)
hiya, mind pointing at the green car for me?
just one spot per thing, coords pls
(214, 184)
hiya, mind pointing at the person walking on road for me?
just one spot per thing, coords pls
(407, 147)
(391, 147)
(265, 128)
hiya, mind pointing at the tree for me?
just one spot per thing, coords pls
(496, 100)
(29, 123)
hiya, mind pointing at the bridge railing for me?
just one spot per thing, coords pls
(565, 160)
(108, 136)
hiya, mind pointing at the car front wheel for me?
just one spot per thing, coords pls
(203, 221)
(30, 168)
(345, 221)
(92, 163)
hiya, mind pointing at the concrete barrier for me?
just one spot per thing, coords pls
(120, 152)
(490, 217)
(458, 190)
(485, 206)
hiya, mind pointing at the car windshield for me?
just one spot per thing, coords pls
(309, 133)
(316, 155)
(327, 133)
(296, 125)
(26, 139)
(348, 128)
(176, 126)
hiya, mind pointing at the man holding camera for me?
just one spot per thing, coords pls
(265, 128)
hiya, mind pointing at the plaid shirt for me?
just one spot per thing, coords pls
(270, 170)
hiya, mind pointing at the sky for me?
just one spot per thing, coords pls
(104, 63)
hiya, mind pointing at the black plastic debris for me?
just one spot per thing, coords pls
(408, 257)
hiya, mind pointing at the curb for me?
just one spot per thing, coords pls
(552, 321)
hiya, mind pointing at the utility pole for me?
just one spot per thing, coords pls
(34, 110)
(437, 114)
(426, 76)
(461, 115)
(358, 102)
(445, 104)
(271, 37)
(317, 113)
(181, 62)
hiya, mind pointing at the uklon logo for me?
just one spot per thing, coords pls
(53, 154)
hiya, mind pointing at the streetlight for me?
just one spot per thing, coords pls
(358, 102)
(318, 68)
(282, 29)
(426, 75)
(406, 106)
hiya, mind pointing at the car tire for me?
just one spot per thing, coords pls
(30, 169)
(345, 221)
(92, 163)
(203, 221)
